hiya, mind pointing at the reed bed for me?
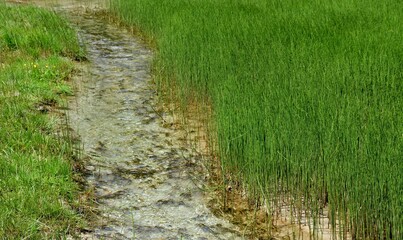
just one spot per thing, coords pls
(306, 98)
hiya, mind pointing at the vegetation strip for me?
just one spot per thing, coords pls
(37, 190)
(306, 99)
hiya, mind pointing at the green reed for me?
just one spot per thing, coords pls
(306, 97)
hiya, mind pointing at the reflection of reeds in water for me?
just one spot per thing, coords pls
(305, 98)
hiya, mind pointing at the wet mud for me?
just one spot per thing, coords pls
(148, 184)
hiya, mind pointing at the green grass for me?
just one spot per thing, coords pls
(306, 97)
(37, 190)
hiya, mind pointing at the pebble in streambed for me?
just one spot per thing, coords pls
(146, 183)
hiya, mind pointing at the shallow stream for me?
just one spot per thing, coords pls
(148, 184)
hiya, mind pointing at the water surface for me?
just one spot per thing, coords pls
(148, 184)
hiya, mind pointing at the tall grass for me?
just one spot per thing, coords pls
(37, 191)
(306, 97)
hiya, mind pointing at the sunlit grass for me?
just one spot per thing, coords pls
(306, 97)
(37, 191)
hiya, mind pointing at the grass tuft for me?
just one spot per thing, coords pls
(37, 190)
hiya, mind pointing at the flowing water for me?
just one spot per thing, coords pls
(147, 183)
